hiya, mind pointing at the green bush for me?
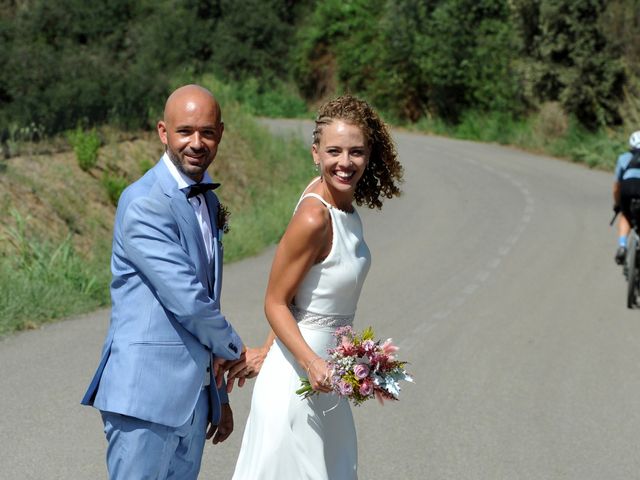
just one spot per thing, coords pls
(85, 145)
(279, 100)
(595, 149)
(493, 126)
(114, 184)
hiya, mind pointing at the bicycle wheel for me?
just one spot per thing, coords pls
(632, 271)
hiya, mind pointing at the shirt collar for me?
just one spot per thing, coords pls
(181, 179)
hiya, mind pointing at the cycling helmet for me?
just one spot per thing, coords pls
(634, 140)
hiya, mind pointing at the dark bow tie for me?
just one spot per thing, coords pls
(198, 188)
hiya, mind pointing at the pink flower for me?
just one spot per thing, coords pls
(366, 388)
(361, 371)
(389, 348)
(346, 347)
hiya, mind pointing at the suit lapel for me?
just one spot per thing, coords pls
(190, 222)
(185, 216)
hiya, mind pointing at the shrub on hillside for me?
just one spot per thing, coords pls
(85, 146)
(114, 185)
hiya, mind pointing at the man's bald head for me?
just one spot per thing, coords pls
(191, 129)
(188, 96)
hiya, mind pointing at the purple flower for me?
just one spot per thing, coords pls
(361, 371)
(369, 346)
(345, 388)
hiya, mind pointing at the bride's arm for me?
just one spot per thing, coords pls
(306, 241)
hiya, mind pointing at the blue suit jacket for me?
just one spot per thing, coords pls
(165, 320)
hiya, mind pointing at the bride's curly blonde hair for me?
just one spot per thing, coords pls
(384, 172)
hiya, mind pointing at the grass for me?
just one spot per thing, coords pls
(547, 132)
(259, 219)
(279, 100)
(55, 244)
(44, 281)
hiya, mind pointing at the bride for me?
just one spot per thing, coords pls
(316, 277)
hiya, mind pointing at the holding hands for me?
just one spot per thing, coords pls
(247, 366)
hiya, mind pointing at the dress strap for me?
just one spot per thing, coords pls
(315, 180)
(314, 195)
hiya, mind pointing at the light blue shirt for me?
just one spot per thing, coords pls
(621, 172)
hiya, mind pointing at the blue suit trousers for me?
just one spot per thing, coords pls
(143, 450)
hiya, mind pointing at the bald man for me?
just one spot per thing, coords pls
(155, 385)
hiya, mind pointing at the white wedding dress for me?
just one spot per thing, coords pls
(287, 437)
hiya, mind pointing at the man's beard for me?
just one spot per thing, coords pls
(176, 161)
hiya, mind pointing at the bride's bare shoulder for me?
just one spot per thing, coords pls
(312, 213)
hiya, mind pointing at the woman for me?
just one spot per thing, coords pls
(314, 285)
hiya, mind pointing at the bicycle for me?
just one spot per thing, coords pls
(632, 260)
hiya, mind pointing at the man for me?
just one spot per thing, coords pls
(626, 187)
(155, 385)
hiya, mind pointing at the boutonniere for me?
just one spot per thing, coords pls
(223, 218)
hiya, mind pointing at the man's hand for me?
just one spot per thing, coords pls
(221, 366)
(249, 368)
(222, 431)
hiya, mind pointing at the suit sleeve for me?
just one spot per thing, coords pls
(151, 240)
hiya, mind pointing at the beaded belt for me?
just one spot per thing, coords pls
(319, 320)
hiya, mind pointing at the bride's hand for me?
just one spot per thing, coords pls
(319, 375)
(248, 368)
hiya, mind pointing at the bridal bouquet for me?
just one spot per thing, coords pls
(362, 368)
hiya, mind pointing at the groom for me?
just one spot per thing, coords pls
(156, 383)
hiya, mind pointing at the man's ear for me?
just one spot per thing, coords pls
(221, 131)
(162, 132)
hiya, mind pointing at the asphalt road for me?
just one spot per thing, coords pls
(493, 272)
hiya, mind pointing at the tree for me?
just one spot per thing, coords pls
(337, 48)
(567, 58)
(468, 56)
(620, 23)
(412, 57)
(70, 62)
(252, 39)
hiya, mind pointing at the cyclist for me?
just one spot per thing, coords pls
(626, 187)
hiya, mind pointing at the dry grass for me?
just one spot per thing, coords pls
(552, 122)
(57, 197)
